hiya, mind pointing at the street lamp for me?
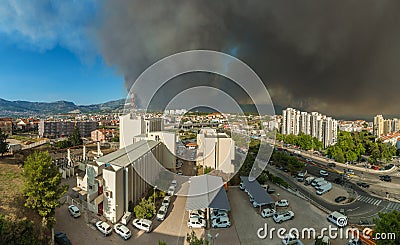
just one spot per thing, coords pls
(154, 196)
(213, 238)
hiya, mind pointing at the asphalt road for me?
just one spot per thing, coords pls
(364, 207)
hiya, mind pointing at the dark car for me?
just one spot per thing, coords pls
(363, 185)
(386, 178)
(331, 164)
(339, 181)
(389, 166)
(61, 238)
(340, 199)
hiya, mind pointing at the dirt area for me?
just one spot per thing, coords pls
(11, 185)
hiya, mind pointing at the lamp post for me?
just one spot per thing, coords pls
(154, 196)
(213, 238)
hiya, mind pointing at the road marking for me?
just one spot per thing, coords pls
(369, 200)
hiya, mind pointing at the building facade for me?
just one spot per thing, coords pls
(115, 180)
(322, 127)
(58, 129)
(215, 150)
(6, 125)
(131, 126)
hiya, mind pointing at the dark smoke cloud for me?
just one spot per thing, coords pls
(337, 57)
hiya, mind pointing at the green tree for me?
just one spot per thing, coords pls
(388, 223)
(3, 143)
(317, 145)
(161, 242)
(42, 185)
(291, 139)
(145, 209)
(75, 138)
(193, 240)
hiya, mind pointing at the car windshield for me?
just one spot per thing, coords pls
(109, 228)
(160, 212)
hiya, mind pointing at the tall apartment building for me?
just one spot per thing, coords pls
(131, 126)
(385, 126)
(57, 129)
(396, 124)
(378, 125)
(290, 121)
(6, 125)
(315, 124)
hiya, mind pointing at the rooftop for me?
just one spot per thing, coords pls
(125, 156)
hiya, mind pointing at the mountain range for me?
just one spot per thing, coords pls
(27, 108)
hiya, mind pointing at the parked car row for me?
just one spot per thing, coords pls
(219, 219)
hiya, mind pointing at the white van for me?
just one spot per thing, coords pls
(125, 219)
(337, 219)
(324, 188)
(320, 183)
(315, 181)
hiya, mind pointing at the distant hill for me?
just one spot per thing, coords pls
(26, 108)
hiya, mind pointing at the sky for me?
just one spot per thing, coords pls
(338, 58)
(48, 55)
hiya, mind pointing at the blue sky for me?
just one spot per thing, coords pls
(47, 53)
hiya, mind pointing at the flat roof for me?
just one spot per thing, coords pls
(125, 156)
(259, 194)
(207, 191)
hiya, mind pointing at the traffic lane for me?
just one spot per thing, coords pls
(357, 206)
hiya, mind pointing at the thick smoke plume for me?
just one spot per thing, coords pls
(337, 57)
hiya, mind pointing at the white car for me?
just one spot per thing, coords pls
(74, 211)
(171, 190)
(323, 173)
(241, 186)
(197, 214)
(161, 213)
(165, 201)
(196, 223)
(103, 227)
(173, 183)
(218, 213)
(142, 224)
(282, 203)
(123, 231)
(267, 212)
(222, 222)
(309, 160)
(291, 239)
(283, 216)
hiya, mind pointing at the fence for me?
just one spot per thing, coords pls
(35, 144)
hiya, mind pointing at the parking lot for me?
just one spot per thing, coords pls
(248, 220)
(245, 220)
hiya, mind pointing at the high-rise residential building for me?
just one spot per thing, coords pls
(290, 122)
(378, 125)
(387, 126)
(396, 125)
(315, 124)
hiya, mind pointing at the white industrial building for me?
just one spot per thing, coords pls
(215, 150)
(112, 181)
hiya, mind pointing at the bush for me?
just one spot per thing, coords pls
(145, 209)
(18, 232)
